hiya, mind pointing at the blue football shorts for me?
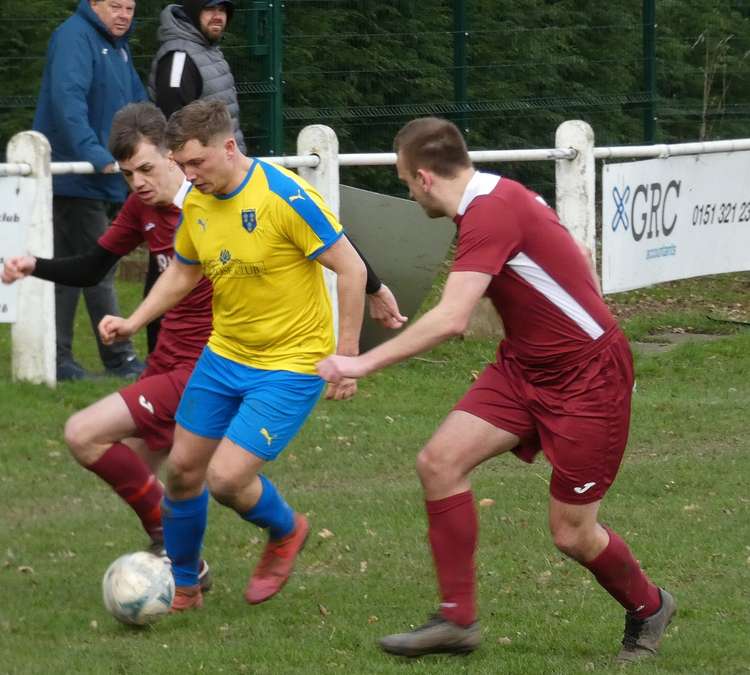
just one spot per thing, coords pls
(259, 410)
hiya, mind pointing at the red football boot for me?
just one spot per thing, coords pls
(186, 597)
(276, 564)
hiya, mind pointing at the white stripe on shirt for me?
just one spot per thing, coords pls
(178, 65)
(535, 276)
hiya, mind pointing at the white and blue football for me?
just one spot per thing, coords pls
(138, 588)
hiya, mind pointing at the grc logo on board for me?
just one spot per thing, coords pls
(650, 209)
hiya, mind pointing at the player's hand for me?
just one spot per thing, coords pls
(114, 328)
(18, 267)
(342, 390)
(336, 368)
(384, 308)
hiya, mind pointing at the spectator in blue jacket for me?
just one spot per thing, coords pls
(88, 77)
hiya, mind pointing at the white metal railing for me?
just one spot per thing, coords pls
(312, 161)
(318, 161)
(15, 169)
(674, 150)
(60, 168)
(389, 158)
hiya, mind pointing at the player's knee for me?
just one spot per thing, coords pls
(78, 437)
(425, 465)
(223, 486)
(565, 542)
(183, 476)
(432, 467)
(570, 540)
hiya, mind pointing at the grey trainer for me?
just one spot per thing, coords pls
(643, 636)
(437, 636)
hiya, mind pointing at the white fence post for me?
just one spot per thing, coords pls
(576, 181)
(321, 140)
(33, 333)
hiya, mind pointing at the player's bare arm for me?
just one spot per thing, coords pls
(171, 287)
(350, 284)
(384, 308)
(18, 267)
(449, 318)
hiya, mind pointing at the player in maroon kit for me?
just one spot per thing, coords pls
(124, 437)
(561, 383)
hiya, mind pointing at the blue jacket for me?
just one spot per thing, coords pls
(88, 77)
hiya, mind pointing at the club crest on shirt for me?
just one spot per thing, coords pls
(225, 256)
(249, 220)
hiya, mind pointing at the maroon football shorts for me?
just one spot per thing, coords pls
(578, 415)
(152, 401)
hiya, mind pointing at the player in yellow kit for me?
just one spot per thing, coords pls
(260, 234)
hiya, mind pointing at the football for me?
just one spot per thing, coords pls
(138, 588)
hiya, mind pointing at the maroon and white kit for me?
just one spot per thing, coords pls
(153, 398)
(563, 376)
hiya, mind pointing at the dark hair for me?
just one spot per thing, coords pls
(434, 144)
(134, 123)
(202, 120)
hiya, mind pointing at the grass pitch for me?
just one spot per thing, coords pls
(681, 501)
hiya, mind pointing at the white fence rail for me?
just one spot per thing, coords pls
(318, 160)
(678, 149)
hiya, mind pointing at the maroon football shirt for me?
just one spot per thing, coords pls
(186, 327)
(541, 283)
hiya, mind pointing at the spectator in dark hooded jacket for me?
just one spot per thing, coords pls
(189, 64)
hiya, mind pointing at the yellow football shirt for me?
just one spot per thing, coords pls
(258, 246)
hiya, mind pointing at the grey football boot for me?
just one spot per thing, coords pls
(643, 636)
(437, 636)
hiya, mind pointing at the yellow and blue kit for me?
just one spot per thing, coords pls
(255, 382)
(258, 246)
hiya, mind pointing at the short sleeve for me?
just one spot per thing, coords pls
(184, 248)
(488, 236)
(308, 222)
(126, 231)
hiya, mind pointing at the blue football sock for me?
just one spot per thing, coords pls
(184, 524)
(271, 511)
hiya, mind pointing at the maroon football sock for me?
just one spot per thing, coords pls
(132, 479)
(453, 530)
(619, 573)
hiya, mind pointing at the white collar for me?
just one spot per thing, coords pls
(480, 184)
(179, 198)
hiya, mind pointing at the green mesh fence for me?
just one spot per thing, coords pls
(366, 67)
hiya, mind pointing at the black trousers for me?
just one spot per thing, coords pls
(78, 224)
